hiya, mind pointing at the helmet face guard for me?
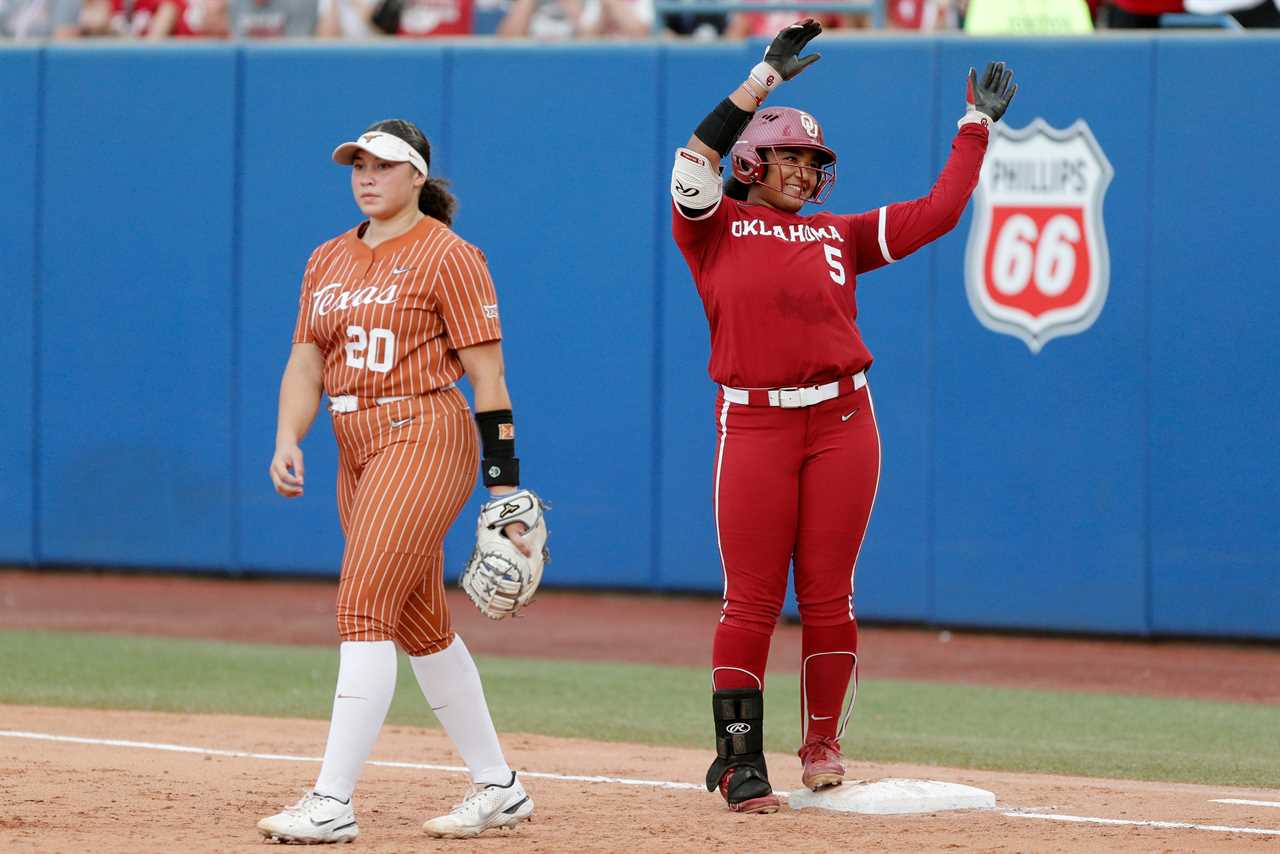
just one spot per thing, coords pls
(783, 127)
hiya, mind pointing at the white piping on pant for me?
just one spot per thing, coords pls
(724, 570)
(853, 570)
(715, 670)
(804, 693)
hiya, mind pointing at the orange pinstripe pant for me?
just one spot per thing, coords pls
(405, 470)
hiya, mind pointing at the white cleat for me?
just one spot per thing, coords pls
(484, 808)
(313, 820)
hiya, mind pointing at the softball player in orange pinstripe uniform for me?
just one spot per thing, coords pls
(392, 313)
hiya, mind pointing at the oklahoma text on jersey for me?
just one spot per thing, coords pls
(801, 233)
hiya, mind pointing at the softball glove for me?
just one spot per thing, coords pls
(498, 578)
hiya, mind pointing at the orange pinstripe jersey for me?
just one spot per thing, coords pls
(389, 319)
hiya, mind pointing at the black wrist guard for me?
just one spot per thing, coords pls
(723, 125)
(501, 472)
(498, 444)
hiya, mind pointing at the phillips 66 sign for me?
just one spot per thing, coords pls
(1037, 265)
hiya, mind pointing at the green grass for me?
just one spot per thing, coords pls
(1099, 735)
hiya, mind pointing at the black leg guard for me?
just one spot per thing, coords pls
(739, 717)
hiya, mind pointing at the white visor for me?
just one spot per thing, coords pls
(386, 146)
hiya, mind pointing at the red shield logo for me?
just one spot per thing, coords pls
(1037, 264)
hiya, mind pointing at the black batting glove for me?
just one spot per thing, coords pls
(993, 93)
(784, 52)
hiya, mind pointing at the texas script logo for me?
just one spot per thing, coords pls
(328, 298)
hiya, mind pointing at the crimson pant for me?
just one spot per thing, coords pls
(793, 486)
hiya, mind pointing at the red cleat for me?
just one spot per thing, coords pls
(823, 766)
(765, 803)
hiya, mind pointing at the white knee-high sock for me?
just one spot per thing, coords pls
(451, 684)
(366, 684)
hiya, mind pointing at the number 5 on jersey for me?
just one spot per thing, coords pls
(380, 343)
(835, 263)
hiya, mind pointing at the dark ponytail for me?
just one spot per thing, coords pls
(435, 199)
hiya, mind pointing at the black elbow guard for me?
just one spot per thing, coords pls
(723, 125)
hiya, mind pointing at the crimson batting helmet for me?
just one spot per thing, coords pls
(782, 127)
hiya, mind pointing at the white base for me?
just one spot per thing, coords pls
(893, 797)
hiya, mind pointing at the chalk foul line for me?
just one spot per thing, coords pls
(1245, 803)
(584, 778)
(1167, 825)
(285, 757)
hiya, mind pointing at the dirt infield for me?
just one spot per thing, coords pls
(68, 796)
(586, 626)
(113, 799)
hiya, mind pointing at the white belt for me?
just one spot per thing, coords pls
(795, 397)
(350, 402)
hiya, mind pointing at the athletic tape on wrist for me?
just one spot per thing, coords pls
(975, 117)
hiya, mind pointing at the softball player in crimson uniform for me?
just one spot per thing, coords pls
(392, 313)
(797, 459)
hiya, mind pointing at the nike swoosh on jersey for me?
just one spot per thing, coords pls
(850, 415)
(401, 423)
(395, 271)
(820, 717)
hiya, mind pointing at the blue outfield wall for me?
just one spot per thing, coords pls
(1121, 480)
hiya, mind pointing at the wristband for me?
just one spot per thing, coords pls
(975, 117)
(498, 444)
(765, 76)
(501, 472)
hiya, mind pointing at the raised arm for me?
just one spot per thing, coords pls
(892, 232)
(695, 179)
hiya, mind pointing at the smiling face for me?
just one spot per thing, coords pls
(384, 188)
(790, 178)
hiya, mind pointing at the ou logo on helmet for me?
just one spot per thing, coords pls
(1037, 264)
(809, 124)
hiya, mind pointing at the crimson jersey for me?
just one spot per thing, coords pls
(389, 319)
(779, 288)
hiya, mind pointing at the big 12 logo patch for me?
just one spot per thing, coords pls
(1037, 264)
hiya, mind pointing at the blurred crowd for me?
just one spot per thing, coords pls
(591, 19)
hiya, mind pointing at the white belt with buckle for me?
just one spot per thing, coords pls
(350, 402)
(795, 397)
